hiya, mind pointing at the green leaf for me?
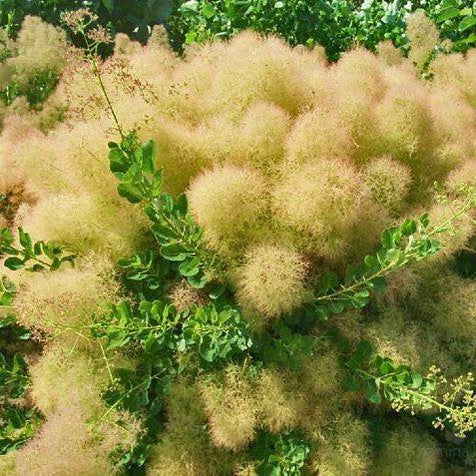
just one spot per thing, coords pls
(182, 204)
(174, 252)
(130, 192)
(117, 340)
(190, 37)
(190, 267)
(124, 310)
(374, 398)
(387, 240)
(417, 379)
(208, 355)
(149, 156)
(449, 3)
(6, 237)
(336, 307)
(425, 220)
(393, 256)
(448, 13)
(6, 299)
(408, 227)
(466, 11)
(371, 392)
(208, 10)
(329, 281)
(380, 284)
(163, 232)
(18, 363)
(198, 281)
(371, 261)
(167, 202)
(385, 367)
(118, 161)
(361, 354)
(467, 23)
(25, 239)
(351, 274)
(470, 39)
(14, 263)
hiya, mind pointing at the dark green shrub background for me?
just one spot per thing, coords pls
(335, 24)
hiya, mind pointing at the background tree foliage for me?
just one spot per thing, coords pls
(335, 24)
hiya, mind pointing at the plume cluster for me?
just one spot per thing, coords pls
(292, 167)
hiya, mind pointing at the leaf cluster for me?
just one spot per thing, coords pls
(36, 90)
(128, 16)
(145, 275)
(457, 21)
(168, 343)
(162, 333)
(38, 256)
(282, 454)
(179, 237)
(406, 389)
(412, 241)
(284, 347)
(17, 423)
(381, 378)
(336, 25)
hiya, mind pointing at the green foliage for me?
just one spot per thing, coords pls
(12, 12)
(145, 275)
(7, 292)
(13, 376)
(168, 343)
(38, 256)
(162, 333)
(17, 423)
(141, 391)
(283, 347)
(457, 21)
(8, 321)
(465, 263)
(179, 237)
(157, 342)
(33, 257)
(128, 16)
(171, 342)
(337, 25)
(410, 242)
(132, 17)
(406, 389)
(134, 165)
(36, 90)
(282, 454)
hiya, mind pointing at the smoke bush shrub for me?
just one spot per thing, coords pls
(30, 68)
(257, 211)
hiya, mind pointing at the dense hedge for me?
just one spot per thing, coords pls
(128, 16)
(335, 24)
